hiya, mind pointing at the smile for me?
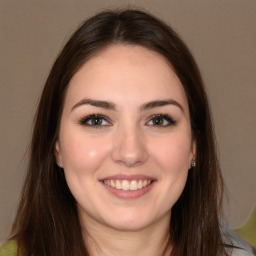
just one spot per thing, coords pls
(127, 185)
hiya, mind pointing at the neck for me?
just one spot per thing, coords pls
(151, 241)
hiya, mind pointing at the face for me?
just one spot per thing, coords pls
(125, 140)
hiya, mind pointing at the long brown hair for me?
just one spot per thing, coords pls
(47, 221)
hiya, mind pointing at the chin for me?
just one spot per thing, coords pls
(130, 226)
(130, 222)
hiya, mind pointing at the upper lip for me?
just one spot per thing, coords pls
(128, 177)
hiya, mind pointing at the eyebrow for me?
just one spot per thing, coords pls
(112, 106)
(95, 103)
(160, 103)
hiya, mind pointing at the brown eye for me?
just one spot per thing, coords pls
(161, 120)
(158, 121)
(95, 121)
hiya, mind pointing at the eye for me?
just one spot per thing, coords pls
(95, 120)
(161, 120)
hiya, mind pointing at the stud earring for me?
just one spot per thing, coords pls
(193, 163)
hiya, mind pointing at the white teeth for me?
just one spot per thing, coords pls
(133, 185)
(139, 184)
(118, 184)
(127, 185)
(112, 183)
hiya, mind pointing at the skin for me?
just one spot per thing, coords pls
(128, 142)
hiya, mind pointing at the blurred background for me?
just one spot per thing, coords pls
(222, 38)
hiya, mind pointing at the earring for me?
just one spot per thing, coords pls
(193, 163)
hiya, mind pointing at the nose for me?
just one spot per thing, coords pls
(129, 148)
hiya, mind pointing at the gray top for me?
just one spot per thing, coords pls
(236, 240)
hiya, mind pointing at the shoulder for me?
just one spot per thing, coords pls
(9, 248)
(242, 252)
(231, 238)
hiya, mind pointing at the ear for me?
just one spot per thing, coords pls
(57, 153)
(192, 152)
(194, 149)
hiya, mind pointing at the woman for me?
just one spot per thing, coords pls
(122, 158)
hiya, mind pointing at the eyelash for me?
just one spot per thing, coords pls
(163, 117)
(86, 119)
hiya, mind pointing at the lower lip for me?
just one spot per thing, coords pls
(129, 194)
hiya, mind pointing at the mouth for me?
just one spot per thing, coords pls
(127, 185)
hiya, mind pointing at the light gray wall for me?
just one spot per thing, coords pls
(222, 37)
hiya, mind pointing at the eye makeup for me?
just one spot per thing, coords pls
(161, 121)
(100, 121)
(95, 121)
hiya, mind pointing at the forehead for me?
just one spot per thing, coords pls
(128, 74)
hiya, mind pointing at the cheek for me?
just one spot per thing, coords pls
(83, 154)
(173, 153)
(171, 157)
(82, 158)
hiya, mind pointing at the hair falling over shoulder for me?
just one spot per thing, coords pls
(47, 221)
